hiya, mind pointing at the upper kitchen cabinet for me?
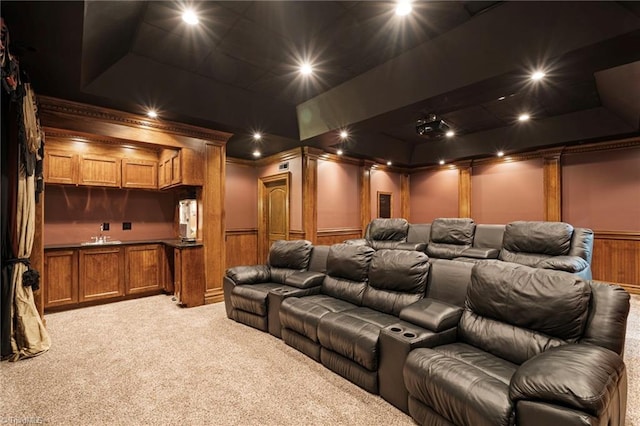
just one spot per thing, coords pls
(95, 163)
(182, 167)
(99, 170)
(139, 174)
(62, 167)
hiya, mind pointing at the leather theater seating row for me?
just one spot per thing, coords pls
(546, 245)
(446, 341)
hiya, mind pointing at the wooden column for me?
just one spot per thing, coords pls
(365, 195)
(310, 193)
(214, 221)
(464, 189)
(552, 185)
(37, 255)
(405, 180)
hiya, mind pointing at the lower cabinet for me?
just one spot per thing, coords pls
(188, 275)
(60, 278)
(144, 270)
(77, 276)
(101, 273)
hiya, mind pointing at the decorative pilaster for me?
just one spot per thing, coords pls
(464, 189)
(365, 195)
(310, 193)
(552, 171)
(405, 180)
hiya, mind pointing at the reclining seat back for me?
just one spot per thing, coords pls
(387, 233)
(548, 245)
(396, 280)
(287, 257)
(450, 237)
(347, 272)
(516, 312)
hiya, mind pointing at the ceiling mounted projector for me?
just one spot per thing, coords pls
(431, 127)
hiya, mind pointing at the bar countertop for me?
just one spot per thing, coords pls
(175, 243)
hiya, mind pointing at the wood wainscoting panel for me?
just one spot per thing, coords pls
(616, 259)
(241, 247)
(336, 236)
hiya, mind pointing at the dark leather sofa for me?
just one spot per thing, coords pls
(453, 342)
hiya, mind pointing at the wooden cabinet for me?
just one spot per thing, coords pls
(139, 174)
(99, 170)
(60, 279)
(144, 269)
(61, 167)
(101, 273)
(185, 167)
(188, 275)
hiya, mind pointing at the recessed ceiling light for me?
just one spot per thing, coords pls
(500, 154)
(344, 134)
(190, 17)
(523, 117)
(389, 163)
(257, 136)
(339, 152)
(538, 75)
(441, 162)
(502, 98)
(256, 153)
(152, 114)
(450, 133)
(403, 7)
(306, 69)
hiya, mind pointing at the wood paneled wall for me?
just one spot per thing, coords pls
(241, 247)
(336, 236)
(616, 259)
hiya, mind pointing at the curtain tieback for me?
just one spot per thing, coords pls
(30, 277)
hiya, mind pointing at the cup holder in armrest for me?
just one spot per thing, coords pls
(395, 329)
(409, 335)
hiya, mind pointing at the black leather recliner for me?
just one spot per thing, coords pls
(341, 289)
(450, 237)
(549, 245)
(247, 288)
(534, 347)
(384, 233)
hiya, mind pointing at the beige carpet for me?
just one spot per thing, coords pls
(149, 362)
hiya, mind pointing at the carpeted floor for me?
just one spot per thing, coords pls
(150, 362)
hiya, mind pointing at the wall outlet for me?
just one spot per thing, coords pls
(126, 226)
(105, 226)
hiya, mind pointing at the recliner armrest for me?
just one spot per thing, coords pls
(581, 376)
(432, 314)
(249, 274)
(412, 246)
(480, 253)
(357, 242)
(571, 264)
(305, 279)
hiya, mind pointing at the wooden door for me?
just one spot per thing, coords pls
(101, 273)
(144, 268)
(60, 278)
(273, 212)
